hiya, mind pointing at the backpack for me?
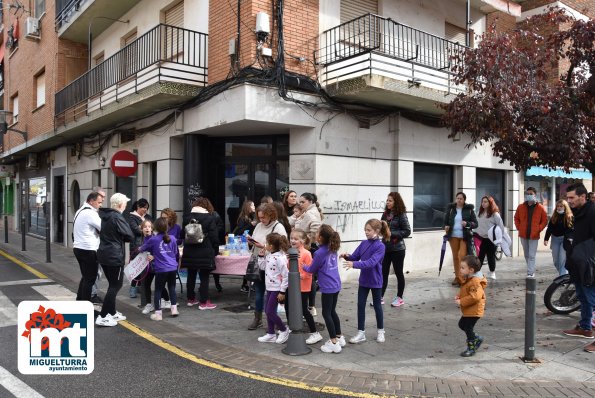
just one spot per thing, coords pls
(193, 232)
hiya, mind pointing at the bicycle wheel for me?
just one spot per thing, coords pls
(561, 298)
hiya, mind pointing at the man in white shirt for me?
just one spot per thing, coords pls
(86, 228)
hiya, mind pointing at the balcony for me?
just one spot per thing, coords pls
(162, 68)
(74, 16)
(376, 60)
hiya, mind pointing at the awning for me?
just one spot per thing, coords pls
(544, 172)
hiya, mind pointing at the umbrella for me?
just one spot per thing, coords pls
(442, 251)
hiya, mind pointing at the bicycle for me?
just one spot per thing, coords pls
(560, 296)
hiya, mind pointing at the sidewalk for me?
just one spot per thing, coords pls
(423, 342)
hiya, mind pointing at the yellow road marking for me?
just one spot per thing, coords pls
(23, 265)
(274, 380)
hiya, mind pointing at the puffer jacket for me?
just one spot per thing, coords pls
(114, 232)
(201, 255)
(468, 216)
(309, 222)
(472, 295)
(399, 230)
(580, 246)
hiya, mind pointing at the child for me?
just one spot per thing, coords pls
(301, 242)
(164, 253)
(326, 265)
(472, 300)
(276, 281)
(368, 258)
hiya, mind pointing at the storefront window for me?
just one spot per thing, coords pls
(38, 205)
(432, 191)
(490, 183)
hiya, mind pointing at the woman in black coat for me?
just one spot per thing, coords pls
(136, 217)
(114, 232)
(199, 258)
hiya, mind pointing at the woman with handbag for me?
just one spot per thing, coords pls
(267, 216)
(199, 254)
(489, 215)
(459, 220)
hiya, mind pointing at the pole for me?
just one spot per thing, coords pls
(468, 24)
(23, 243)
(48, 248)
(296, 345)
(5, 229)
(531, 286)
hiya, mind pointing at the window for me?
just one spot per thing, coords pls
(490, 183)
(40, 89)
(39, 8)
(128, 55)
(99, 58)
(39, 208)
(352, 9)
(432, 192)
(457, 34)
(15, 108)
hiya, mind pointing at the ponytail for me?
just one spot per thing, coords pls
(161, 226)
(385, 231)
(329, 237)
(381, 227)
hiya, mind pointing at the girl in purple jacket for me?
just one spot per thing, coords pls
(326, 264)
(164, 254)
(368, 258)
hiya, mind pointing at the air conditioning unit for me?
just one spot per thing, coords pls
(31, 161)
(32, 28)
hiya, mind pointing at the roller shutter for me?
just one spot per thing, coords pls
(351, 9)
(175, 15)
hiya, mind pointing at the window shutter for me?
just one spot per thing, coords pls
(351, 9)
(454, 33)
(175, 15)
(40, 80)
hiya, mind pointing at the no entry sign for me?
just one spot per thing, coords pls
(124, 163)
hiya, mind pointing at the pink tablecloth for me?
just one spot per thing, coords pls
(231, 265)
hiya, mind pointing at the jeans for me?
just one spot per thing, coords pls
(161, 278)
(397, 258)
(115, 277)
(331, 319)
(586, 295)
(530, 250)
(145, 292)
(203, 290)
(362, 296)
(488, 249)
(559, 254)
(273, 318)
(87, 260)
(259, 290)
(466, 324)
(458, 246)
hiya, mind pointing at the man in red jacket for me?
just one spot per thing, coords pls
(530, 219)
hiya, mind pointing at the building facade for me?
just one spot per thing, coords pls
(336, 97)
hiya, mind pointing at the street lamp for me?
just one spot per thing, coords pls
(90, 38)
(4, 125)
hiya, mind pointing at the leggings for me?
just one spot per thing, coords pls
(305, 312)
(312, 292)
(331, 319)
(488, 249)
(145, 296)
(273, 319)
(466, 324)
(115, 277)
(203, 289)
(397, 258)
(161, 278)
(362, 296)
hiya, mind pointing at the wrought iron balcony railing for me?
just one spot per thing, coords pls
(165, 53)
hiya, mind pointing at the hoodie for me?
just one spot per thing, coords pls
(472, 295)
(326, 264)
(275, 270)
(368, 258)
(165, 254)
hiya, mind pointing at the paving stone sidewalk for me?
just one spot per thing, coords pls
(421, 353)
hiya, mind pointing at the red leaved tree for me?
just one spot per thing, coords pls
(516, 102)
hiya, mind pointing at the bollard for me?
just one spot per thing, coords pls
(531, 286)
(48, 248)
(23, 243)
(5, 229)
(296, 344)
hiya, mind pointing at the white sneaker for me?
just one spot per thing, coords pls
(268, 338)
(380, 338)
(360, 337)
(280, 309)
(117, 316)
(492, 275)
(314, 338)
(148, 308)
(165, 305)
(329, 346)
(341, 341)
(283, 336)
(312, 311)
(530, 275)
(107, 321)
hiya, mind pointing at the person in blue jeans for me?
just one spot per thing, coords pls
(558, 227)
(368, 258)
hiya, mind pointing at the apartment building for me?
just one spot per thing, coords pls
(241, 100)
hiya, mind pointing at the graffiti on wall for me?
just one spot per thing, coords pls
(355, 206)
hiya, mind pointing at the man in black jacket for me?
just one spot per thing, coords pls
(581, 259)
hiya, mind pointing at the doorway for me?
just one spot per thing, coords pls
(58, 208)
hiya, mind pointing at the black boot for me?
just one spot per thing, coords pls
(470, 351)
(477, 342)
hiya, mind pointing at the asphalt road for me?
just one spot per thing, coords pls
(126, 365)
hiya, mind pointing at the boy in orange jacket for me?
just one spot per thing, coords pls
(472, 300)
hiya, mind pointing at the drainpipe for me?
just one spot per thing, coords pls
(468, 24)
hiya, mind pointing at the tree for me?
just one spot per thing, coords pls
(516, 103)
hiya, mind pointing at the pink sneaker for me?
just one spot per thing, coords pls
(207, 306)
(191, 302)
(397, 302)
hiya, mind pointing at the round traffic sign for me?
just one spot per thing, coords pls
(124, 163)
